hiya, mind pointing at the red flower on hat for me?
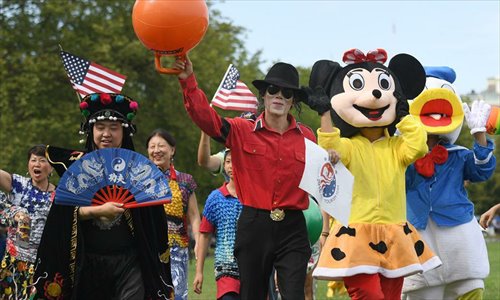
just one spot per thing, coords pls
(105, 99)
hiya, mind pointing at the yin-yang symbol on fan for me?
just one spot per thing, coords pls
(118, 164)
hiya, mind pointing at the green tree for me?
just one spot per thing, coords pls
(38, 104)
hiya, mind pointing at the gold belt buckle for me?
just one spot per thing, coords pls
(277, 214)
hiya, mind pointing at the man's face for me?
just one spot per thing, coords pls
(278, 101)
(108, 134)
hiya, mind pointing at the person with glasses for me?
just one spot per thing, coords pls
(268, 157)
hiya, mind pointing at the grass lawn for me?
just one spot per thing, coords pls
(492, 290)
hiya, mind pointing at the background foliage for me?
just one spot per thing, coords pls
(38, 104)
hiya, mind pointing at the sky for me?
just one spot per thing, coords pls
(464, 35)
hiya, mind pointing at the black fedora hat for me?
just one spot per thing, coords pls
(282, 75)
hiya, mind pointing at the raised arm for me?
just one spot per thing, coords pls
(413, 142)
(197, 105)
(480, 165)
(211, 162)
(5, 181)
(476, 117)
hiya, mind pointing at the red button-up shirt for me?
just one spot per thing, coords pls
(267, 165)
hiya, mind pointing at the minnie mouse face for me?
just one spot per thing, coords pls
(366, 93)
(368, 99)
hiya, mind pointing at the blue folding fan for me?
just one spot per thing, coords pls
(113, 175)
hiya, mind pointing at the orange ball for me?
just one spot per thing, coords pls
(170, 27)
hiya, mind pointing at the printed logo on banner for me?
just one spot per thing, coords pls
(327, 182)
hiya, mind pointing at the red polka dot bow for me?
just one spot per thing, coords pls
(425, 165)
(355, 56)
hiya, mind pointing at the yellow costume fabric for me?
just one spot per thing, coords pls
(378, 239)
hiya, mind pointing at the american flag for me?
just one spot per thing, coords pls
(88, 77)
(233, 94)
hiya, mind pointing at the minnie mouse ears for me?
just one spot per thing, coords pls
(410, 74)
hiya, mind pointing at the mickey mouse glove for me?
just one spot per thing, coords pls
(317, 99)
(477, 115)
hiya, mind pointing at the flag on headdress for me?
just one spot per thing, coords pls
(88, 77)
(233, 94)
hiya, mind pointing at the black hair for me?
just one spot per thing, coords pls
(38, 150)
(226, 152)
(163, 134)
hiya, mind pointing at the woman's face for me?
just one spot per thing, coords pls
(160, 152)
(39, 168)
(108, 134)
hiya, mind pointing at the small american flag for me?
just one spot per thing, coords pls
(233, 94)
(88, 77)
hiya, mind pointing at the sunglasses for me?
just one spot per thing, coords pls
(286, 92)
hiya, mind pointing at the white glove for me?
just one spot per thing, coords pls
(477, 116)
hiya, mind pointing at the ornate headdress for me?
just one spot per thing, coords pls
(107, 107)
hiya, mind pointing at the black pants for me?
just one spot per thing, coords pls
(262, 243)
(111, 277)
(230, 296)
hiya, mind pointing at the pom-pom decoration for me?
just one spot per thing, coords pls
(105, 99)
(84, 105)
(85, 113)
(134, 105)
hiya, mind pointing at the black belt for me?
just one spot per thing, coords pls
(277, 214)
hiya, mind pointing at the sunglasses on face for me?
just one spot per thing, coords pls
(286, 92)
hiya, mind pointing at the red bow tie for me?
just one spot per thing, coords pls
(425, 165)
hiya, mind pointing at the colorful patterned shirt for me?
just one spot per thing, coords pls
(220, 215)
(27, 214)
(177, 227)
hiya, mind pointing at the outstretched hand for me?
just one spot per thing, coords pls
(476, 116)
(317, 99)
